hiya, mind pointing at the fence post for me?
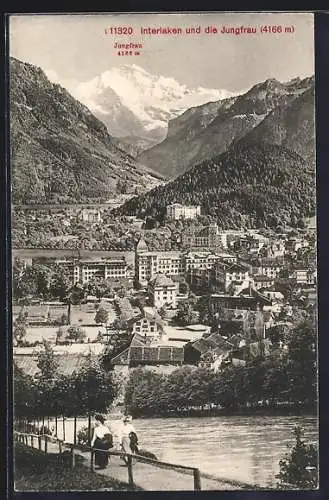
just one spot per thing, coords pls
(130, 471)
(46, 443)
(64, 428)
(32, 442)
(197, 480)
(39, 441)
(75, 430)
(92, 459)
(73, 456)
(89, 428)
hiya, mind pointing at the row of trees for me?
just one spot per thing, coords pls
(51, 392)
(280, 377)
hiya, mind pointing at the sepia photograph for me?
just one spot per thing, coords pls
(164, 251)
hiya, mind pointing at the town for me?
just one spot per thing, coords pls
(216, 298)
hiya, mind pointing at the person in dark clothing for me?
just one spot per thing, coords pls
(133, 442)
(102, 440)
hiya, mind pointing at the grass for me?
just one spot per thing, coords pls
(35, 471)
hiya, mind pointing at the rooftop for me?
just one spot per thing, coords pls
(141, 246)
(161, 280)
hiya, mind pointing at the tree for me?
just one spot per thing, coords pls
(77, 294)
(45, 379)
(101, 316)
(64, 319)
(142, 393)
(31, 281)
(205, 309)
(19, 332)
(46, 362)
(186, 314)
(25, 393)
(229, 387)
(299, 469)
(100, 288)
(24, 283)
(276, 385)
(94, 387)
(60, 285)
(76, 333)
(302, 368)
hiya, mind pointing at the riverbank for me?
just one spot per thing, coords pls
(275, 411)
(35, 471)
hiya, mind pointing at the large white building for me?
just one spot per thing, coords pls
(149, 264)
(91, 215)
(163, 291)
(177, 211)
(84, 271)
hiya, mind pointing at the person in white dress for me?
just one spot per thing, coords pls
(128, 435)
(101, 440)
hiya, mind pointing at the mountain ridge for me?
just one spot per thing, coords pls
(59, 150)
(210, 129)
(140, 103)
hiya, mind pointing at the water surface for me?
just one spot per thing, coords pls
(245, 448)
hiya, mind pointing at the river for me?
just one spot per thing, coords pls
(233, 447)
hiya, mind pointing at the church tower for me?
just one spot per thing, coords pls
(141, 248)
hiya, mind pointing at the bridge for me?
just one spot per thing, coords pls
(139, 472)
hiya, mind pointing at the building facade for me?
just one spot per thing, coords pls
(84, 271)
(163, 291)
(207, 236)
(91, 215)
(177, 211)
(225, 275)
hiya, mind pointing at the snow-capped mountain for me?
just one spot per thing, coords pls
(134, 103)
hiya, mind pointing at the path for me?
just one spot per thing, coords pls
(150, 477)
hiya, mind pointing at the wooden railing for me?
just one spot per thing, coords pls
(43, 440)
(132, 457)
(29, 439)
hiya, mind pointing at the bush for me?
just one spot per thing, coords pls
(83, 438)
(299, 469)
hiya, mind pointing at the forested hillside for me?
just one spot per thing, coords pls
(252, 185)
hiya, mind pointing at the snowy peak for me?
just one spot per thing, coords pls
(132, 101)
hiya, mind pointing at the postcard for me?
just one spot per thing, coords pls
(164, 292)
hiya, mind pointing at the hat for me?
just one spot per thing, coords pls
(127, 418)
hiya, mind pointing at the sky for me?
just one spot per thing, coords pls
(75, 48)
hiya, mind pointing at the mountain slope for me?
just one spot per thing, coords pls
(291, 125)
(250, 185)
(132, 102)
(59, 150)
(210, 129)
